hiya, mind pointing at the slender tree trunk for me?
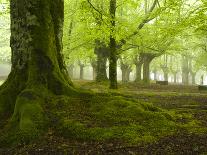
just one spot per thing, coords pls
(124, 72)
(112, 45)
(81, 71)
(128, 74)
(185, 70)
(38, 69)
(175, 77)
(193, 74)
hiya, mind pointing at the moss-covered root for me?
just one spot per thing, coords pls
(28, 120)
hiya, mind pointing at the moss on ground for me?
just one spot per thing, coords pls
(101, 117)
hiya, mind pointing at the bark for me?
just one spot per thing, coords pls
(146, 67)
(94, 66)
(38, 70)
(81, 70)
(102, 53)
(112, 46)
(185, 70)
(193, 74)
(126, 70)
(139, 62)
(166, 75)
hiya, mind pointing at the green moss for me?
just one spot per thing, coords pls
(104, 118)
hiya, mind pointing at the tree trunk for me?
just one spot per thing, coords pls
(185, 79)
(155, 75)
(94, 66)
(128, 74)
(146, 67)
(175, 77)
(193, 74)
(37, 64)
(138, 72)
(71, 70)
(102, 53)
(81, 71)
(166, 76)
(112, 46)
(185, 70)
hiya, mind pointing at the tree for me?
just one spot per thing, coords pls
(38, 70)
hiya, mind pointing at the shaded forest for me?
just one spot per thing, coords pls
(103, 77)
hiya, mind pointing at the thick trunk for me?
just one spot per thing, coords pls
(146, 72)
(125, 74)
(102, 53)
(138, 72)
(112, 46)
(126, 69)
(94, 67)
(37, 64)
(146, 67)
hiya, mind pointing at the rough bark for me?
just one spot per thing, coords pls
(112, 46)
(38, 70)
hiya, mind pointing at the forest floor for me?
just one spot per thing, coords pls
(186, 103)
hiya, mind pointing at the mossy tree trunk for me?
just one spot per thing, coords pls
(112, 46)
(38, 70)
(126, 70)
(94, 67)
(138, 62)
(148, 57)
(102, 53)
